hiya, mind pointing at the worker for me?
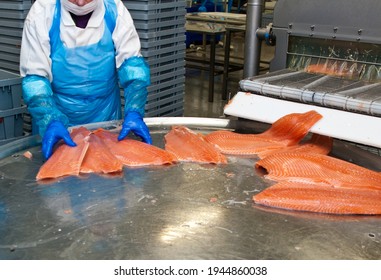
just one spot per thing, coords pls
(73, 54)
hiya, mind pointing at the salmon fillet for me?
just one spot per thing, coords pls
(66, 160)
(322, 69)
(292, 128)
(341, 70)
(318, 169)
(98, 158)
(232, 143)
(134, 153)
(188, 145)
(286, 131)
(101, 152)
(318, 144)
(320, 199)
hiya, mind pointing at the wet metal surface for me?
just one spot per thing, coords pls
(184, 211)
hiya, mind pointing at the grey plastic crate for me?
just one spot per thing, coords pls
(15, 5)
(10, 66)
(11, 123)
(154, 5)
(14, 41)
(165, 103)
(167, 91)
(174, 110)
(15, 58)
(153, 1)
(13, 32)
(166, 57)
(152, 29)
(165, 68)
(163, 42)
(16, 16)
(12, 49)
(162, 50)
(144, 34)
(161, 28)
(153, 15)
(150, 26)
(167, 75)
(175, 35)
(10, 90)
(17, 24)
(165, 84)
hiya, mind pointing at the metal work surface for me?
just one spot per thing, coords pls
(184, 211)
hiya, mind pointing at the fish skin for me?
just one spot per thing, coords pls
(286, 131)
(190, 146)
(320, 199)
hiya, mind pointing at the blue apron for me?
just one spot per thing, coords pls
(85, 81)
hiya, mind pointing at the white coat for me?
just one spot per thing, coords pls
(35, 47)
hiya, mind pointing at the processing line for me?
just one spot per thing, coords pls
(327, 58)
(192, 211)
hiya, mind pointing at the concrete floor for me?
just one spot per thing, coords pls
(196, 83)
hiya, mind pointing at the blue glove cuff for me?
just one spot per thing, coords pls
(134, 77)
(135, 69)
(38, 96)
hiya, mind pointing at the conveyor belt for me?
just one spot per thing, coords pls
(184, 211)
(321, 90)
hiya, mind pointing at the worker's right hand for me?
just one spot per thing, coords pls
(55, 132)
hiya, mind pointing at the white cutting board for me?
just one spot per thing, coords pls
(353, 127)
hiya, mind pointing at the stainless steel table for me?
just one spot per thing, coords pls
(185, 211)
(212, 24)
(206, 29)
(230, 29)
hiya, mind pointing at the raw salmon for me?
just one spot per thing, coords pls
(321, 199)
(188, 145)
(319, 169)
(338, 69)
(233, 143)
(323, 69)
(286, 131)
(98, 158)
(318, 144)
(133, 152)
(292, 128)
(66, 160)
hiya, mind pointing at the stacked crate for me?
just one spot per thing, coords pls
(11, 109)
(161, 28)
(12, 112)
(12, 17)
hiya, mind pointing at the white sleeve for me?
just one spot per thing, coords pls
(35, 44)
(125, 37)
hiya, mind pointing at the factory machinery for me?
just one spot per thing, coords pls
(327, 58)
(192, 211)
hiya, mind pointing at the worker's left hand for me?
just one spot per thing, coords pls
(133, 121)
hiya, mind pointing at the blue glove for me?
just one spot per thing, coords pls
(133, 121)
(55, 132)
